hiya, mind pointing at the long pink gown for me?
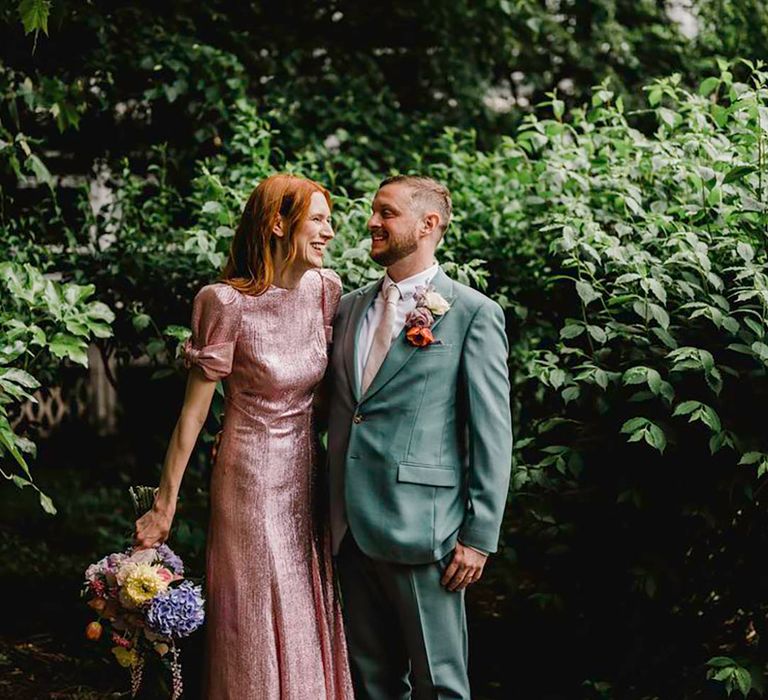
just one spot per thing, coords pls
(274, 626)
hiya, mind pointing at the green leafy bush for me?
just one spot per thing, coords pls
(42, 324)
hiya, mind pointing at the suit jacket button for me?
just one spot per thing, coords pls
(358, 419)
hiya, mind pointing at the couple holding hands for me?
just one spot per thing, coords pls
(410, 376)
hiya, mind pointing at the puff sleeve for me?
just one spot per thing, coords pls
(216, 316)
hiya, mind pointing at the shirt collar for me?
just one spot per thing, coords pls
(408, 286)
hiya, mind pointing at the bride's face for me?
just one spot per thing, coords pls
(313, 234)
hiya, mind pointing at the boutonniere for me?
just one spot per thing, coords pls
(419, 322)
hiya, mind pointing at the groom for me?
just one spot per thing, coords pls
(419, 452)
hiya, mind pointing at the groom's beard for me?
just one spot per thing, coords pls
(397, 249)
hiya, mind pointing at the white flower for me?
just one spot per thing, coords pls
(435, 303)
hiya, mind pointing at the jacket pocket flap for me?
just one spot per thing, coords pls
(429, 476)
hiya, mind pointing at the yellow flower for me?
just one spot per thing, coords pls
(142, 583)
(125, 657)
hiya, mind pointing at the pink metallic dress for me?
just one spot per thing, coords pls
(274, 626)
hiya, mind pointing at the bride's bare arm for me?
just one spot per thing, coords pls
(153, 527)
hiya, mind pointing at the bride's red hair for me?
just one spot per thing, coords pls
(251, 265)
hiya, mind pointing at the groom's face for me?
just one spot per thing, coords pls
(393, 225)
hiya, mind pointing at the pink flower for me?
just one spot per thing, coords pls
(98, 587)
(166, 575)
(121, 641)
(420, 317)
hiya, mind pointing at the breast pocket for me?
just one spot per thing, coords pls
(434, 349)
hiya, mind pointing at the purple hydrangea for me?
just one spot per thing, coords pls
(170, 559)
(177, 612)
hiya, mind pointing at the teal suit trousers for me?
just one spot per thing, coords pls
(407, 635)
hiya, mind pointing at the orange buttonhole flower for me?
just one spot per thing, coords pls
(420, 337)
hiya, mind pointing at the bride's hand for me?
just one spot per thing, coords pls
(152, 529)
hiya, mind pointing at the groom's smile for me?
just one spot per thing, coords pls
(392, 225)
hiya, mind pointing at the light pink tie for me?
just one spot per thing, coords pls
(382, 337)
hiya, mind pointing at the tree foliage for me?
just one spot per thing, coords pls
(621, 223)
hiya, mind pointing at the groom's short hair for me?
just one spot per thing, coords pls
(427, 194)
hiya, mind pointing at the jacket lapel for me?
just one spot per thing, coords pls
(401, 350)
(360, 305)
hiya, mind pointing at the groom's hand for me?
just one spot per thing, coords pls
(466, 567)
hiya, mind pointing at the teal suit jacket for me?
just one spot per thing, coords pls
(423, 457)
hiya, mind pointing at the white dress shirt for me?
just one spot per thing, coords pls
(406, 304)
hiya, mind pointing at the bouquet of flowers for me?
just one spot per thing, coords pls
(144, 605)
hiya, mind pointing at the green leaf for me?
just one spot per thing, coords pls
(633, 205)
(670, 118)
(635, 375)
(746, 251)
(47, 504)
(572, 330)
(8, 441)
(751, 458)
(715, 196)
(100, 311)
(721, 662)
(141, 321)
(34, 15)
(19, 376)
(155, 347)
(710, 418)
(743, 680)
(39, 170)
(654, 381)
(75, 293)
(62, 346)
(737, 173)
(655, 437)
(658, 290)
(724, 674)
(667, 391)
(633, 424)
(716, 442)
(761, 350)
(708, 86)
(570, 393)
(683, 409)
(556, 378)
(597, 333)
(661, 316)
(601, 378)
(19, 481)
(586, 292)
(665, 337)
(720, 114)
(212, 207)
(180, 333)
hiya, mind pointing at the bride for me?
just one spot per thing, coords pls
(274, 626)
